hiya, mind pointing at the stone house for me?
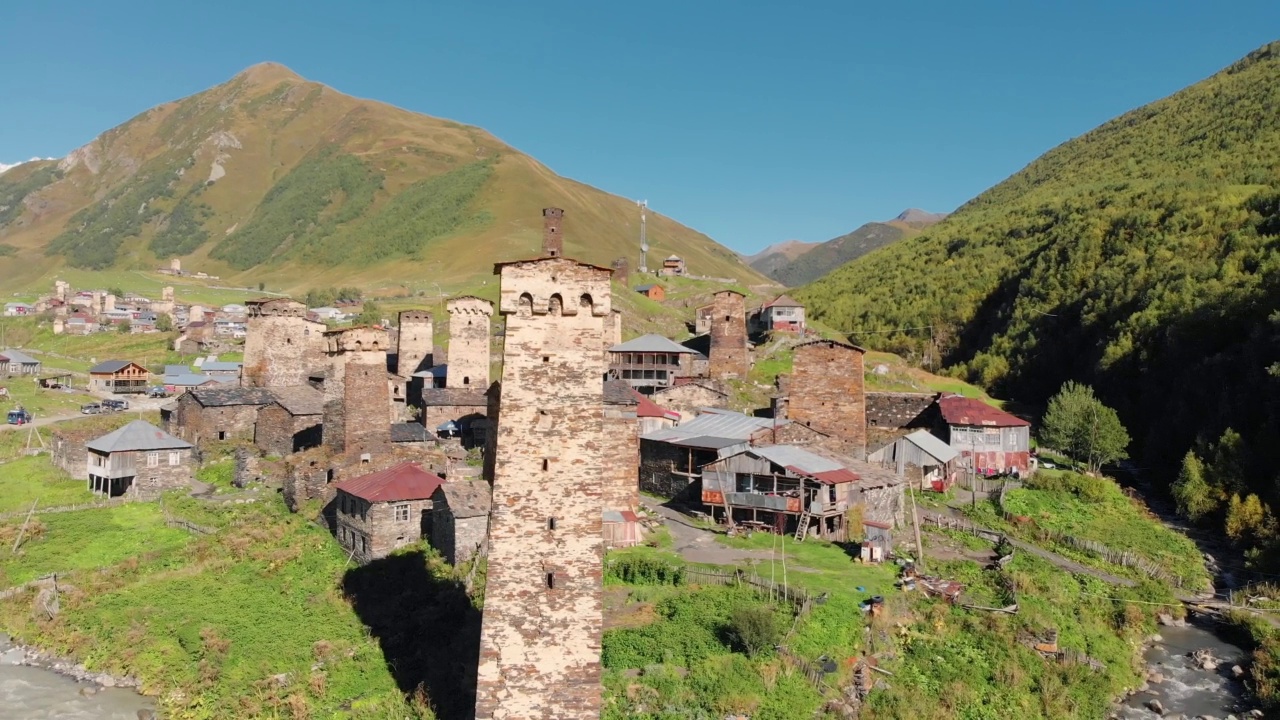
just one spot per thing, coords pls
(892, 414)
(292, 423)
(119, 376)
(219, 412)
(653, 291)
(650, 362)
(460, 519)
(689, 398)
(382, 511)
(17, 363)
(990, 440)
(673, 266)
(455, 412)
(138, 459)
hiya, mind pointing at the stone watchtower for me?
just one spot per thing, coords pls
(414, 342)
(541, 632)
(825, 391)
(728, 357)
(552, 239)
(356, 392)
(281, 345)
(468, 355)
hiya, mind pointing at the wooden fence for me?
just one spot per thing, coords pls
(768, 589)
(189, 526)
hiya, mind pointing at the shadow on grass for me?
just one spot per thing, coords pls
(427, 627)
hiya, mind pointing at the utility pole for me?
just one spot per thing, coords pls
(915, 523)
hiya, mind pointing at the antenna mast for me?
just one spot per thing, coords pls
(644, 240)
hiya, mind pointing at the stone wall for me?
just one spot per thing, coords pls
(469, 320)
(659, 463)
(69, 454)
(543, 615)
(198, 424)
(150, 482)
(825, 392)
(458, 538)
(895, 410)
(414, 342)
(370, 530)
(620, 453)
(729, 357)
(689, 398)
(885, 504)
(279, 432)
(281, 345)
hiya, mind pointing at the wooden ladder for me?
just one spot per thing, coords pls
(802, 526)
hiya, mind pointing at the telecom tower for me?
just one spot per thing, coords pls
(644, 241)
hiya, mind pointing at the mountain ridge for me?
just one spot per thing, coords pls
(270, 176)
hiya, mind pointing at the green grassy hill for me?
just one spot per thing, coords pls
(1143, 257)
(273, 178)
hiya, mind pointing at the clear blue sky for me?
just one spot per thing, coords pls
(754, 122)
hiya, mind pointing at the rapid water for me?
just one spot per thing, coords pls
(1187, 690)
(32, 693)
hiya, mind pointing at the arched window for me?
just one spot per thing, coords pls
(556, 305)
(585, 302)
(526, 304)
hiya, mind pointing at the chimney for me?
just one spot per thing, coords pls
(552, 241)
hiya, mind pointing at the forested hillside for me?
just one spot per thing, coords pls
(271, 177)
(1142, 257)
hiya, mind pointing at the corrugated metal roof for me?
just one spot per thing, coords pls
(137, 435)
(651, 343)
(799, 458)
(716, 423)
(177, 370)
(110, 366)
(959, 410)
(190, 379)
(936, 448)
(406, 481)
(707, 442)
(221, 366)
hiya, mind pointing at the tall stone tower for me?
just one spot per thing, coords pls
(281, 345)
(825, 391)
(414, 342)
(540, 637)
(355, 388)
(468, 354)
(552, 239)
(728, 357)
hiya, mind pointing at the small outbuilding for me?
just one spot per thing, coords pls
(460, 522)
(653, 291)
(139, 459)
(385, 510)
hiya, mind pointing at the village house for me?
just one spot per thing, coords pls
(226, 369)
(991, 441)
(782, 314)
(179, 383)
(460, 519)
(382, 511)
(689, 397)
(139, 459)
(15, 362)
(455, 413)
(326, 313)
(80, 324)
(119, 376)
(18, 309)
(650, 362)
(218, 412)
(921, 458)
(672, 266)
(652, 291)
(292, 423)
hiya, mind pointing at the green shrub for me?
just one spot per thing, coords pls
(641, 570)
(754, 629)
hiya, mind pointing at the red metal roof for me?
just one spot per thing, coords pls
(835, 477)
(406, 481)
(648, 408)
(958, 410)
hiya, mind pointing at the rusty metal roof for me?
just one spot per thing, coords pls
(960, 410)
(406, 481)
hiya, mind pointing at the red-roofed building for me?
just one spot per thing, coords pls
(385, 510)
(989, 440)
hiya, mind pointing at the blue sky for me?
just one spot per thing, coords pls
(754, 122)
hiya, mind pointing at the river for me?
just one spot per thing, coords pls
(1187, 690)
(34, 693)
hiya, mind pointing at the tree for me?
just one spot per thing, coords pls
(1195, 497)
(1249, 522)
(370, 314)
(262, 286)
(124, 327)
(164, 323)
(1077, 423)
(116, 291)
(754, 628)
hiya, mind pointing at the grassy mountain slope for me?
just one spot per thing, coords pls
(1142, 257)
(778, 255)
(270, 177)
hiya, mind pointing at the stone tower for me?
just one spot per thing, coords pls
(281, 345)
(825, 391)
(622, 270)
(468, 355)
(728, 356)
(175, 266)
(541, 632)
(355, 388)
(166, 294)
(414, 342)
(552, 240)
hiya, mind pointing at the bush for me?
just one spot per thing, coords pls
(754, 629)
(640, 570)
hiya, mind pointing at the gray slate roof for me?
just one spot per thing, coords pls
(223, 396)
(618, 392)
(17, 356)
(137, 435)
(189, 379)
(300, 399)
(651, 343)
(408, 432)
(221, 366)
(466, 498)
(110, 366)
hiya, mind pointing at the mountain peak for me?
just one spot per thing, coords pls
(919, 218)
(269, 72)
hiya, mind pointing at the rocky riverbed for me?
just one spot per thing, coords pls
(1191, 673)
(38, 686)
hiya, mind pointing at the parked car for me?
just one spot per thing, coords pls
(18, 416)
(90, 409)
(115, 405)
(157, 392)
